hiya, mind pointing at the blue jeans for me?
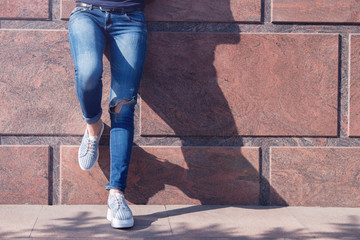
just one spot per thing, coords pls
(90, 31)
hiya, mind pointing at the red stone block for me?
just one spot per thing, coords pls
(194, 11)
(194, 175)
(327, 176)
(204, 10)
(208, 84)
(66, 7)
(81, 187)
(24, 174)
(316, 11)
(25, 9)
(168, 175)
(354, 116)
(37, 84)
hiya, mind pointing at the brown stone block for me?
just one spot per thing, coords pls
(194, 175)
(81, 187)
(316, 11)
(66, 7)
(194, 11)
(20, 9)
(37, 84)
(24, 174)
(354, 116)
(249, 84)
(204, 10)
(168, 175)
(324, 176)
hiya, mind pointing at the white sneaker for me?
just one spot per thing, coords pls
(88, 153)
(119, 213)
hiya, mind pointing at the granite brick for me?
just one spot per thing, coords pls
(66, 7)
(316, 11)
(354, 109)
(204, 10)
(315, 176)
(194, 175)
(37, 84)
(168, 175)
(81, 187)
(20, 9)
(193, 11)
(24, 174)
(249, 84)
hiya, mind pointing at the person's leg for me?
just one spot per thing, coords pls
(127, 47)
(87, 44)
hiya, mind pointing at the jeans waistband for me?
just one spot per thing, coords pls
(114, 10)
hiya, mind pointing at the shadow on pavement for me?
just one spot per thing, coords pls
(85, 224)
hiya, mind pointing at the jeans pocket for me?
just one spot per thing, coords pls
(77, 10)
(136, 17)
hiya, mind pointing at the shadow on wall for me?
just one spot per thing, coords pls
(181, 96)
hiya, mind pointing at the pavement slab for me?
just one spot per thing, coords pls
(18, 220)
(235, 221)
(180, 222)
(329, 223)
(84, 221)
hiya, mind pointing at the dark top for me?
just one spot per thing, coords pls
(115, 3)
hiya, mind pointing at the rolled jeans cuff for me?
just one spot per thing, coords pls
(108, 187)
(93, 119)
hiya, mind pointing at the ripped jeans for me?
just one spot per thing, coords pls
(90, 31)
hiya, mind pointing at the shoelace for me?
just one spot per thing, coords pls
(91, 146)
(119, 207)
(120, 202)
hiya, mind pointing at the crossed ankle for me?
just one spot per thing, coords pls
(114, 191)
(94, 129)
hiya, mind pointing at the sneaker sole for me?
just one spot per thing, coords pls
(119, 223)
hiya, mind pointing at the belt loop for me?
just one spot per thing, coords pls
(91, 7)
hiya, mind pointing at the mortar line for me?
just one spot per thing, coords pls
(345, 79)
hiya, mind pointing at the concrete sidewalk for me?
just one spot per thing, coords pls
(181, 222)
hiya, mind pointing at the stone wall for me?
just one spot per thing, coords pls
(249, 102)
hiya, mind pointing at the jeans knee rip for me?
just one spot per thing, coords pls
(121, 108)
